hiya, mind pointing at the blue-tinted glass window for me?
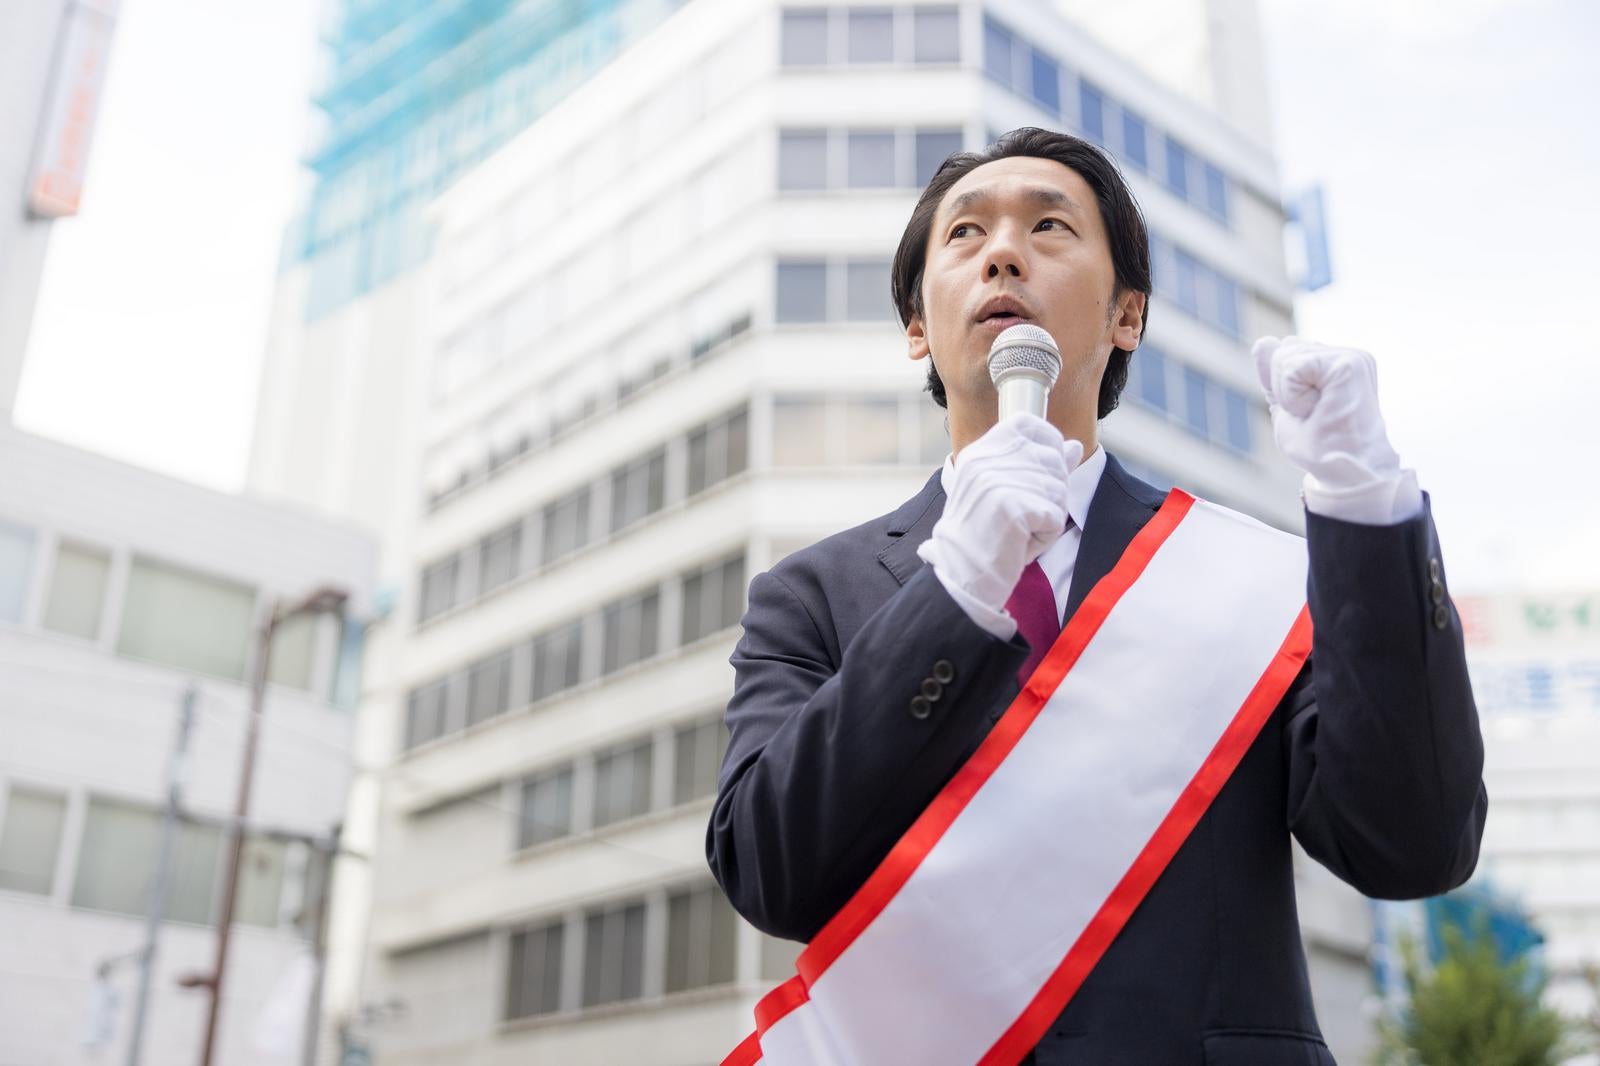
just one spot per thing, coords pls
(1238, 411)
(866, 287)
(935, 35)
(1177, 168)
(1134, 135)
(933, 148)
(805, 37)
(871, 34)
(802, 291)
(870, 160)
(1092, 113)
(1227, 318)
(1186, 282)
(1216, 192)
(1196, 397)
(1046, 82)
(997, 52)
(1152, 377)
(803, 159)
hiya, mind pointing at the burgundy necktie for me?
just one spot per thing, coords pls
(1033, 605)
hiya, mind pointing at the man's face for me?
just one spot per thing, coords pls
(1020, 240)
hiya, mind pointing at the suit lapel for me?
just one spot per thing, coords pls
(1121, 506)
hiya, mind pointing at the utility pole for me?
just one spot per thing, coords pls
(322, 600)
(162, 877)
(319, 944)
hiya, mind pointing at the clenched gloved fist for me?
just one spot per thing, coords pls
(1008, 503)
(1325, 418)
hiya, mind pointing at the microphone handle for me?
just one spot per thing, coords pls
(1023, 392)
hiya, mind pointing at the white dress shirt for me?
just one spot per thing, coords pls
(1058, 561)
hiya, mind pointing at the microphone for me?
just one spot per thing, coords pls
(1023, 364)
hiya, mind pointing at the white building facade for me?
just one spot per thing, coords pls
(663, 356)
(1535, 662)
(119, 589)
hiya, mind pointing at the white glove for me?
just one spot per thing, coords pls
(1325, 418)
(1008, 503)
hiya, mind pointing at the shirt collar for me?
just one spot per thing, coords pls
(1081, 484)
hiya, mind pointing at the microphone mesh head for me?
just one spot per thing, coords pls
(1024, 348)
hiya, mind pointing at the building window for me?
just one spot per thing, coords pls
(802, 159)
(117, 855)
(16, 567)
(866, 293)
(870, 32)
(1152, 377)
(294, 648)
(802, 291)
(425, 713)
(1177, 168)
(533, 978)
(702, 932)
(1216, 192)
(497, 557)
(261, 875)
(713, 599)
(638, 489)
(697, 759)
(566, 525)
(439, 587)
(613, 954)
(1092, 112)
(869, 159)
(871, 429)
(1237, 408)
(622, 783)
(186, 620)
(557, 660)
(805, 38)
(77, 590)
(718, 450)
(546, 807)
(1044, 82)
(933, 436)
(30, 839)
(1197, 394)
(489, 688)
(997, 53)
(936, 35)
(629, 631)
(1135, 146)
(799, 436)
(933, 147)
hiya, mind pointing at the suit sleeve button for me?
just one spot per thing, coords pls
(1433, 569)
(931, 690)
(1441, 617)
(1436, 592)
(944, 671)
(920, 707)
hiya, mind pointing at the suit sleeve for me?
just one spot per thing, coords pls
(1385, 756)
(827, 767)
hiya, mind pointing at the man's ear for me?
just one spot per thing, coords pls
(916, 338)
(1128, 327)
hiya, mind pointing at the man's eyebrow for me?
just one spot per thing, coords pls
(1042, 195)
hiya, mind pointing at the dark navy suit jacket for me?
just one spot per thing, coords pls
(1373, 760)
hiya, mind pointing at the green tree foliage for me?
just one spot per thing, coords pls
(1472, 1009)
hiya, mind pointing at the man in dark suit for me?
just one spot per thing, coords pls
(873, 663)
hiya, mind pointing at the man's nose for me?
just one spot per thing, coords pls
(1003, 255)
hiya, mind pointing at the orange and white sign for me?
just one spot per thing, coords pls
(55, 187)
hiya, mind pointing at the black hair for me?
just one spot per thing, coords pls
(1119, 212)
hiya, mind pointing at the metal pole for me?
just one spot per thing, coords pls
(163, 874)
(230, 886)
(319, 946)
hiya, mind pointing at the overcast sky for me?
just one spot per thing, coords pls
(1453, 139)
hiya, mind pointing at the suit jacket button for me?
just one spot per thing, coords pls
(931, 690)
(1441, 617)
(1437, 592)
(944, 671)
(1433, 569)
(920, 707)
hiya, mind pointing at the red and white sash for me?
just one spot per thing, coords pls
(984, 919)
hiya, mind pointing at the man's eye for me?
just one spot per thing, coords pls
(1056, 221)
(958, 231)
